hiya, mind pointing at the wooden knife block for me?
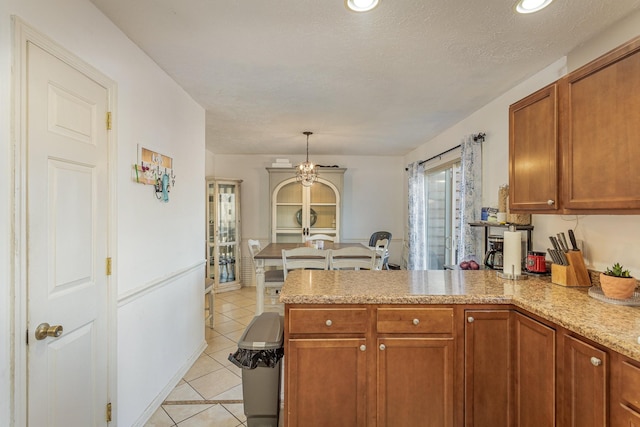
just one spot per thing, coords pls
(574, 274)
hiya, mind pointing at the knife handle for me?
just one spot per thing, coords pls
(574, 243)
(565, 245)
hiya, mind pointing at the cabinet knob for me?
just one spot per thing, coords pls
(363, 347)
(551, 202)
(328, 322)
(416, 321)
(595, 361)
(382, 347)
(470, 319)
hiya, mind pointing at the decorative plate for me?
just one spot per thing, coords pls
(312, 214)
(596, 292)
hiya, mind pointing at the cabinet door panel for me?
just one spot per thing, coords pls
(488, 395)
(533, 152)
(415, 382)
(326, 382)
(535, 355)
(585, 384)
(601, 122)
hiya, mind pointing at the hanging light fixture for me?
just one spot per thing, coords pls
(307, 173)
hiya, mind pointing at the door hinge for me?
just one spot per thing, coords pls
(109, 266)
(109, 412)
(108, 120)
(27, 337)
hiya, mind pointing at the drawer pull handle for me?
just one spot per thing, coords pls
(416, 321)
(595, 361)
(470, 319)
(382, 347)
(328, 322)
(363, 347)
(550, 202)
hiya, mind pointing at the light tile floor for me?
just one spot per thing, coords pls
(212, 376)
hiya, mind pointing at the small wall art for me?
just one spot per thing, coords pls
(155, 169)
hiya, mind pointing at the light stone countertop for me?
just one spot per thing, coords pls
(613, 326)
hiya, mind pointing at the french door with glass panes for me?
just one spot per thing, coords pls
(442, 198)
(223, 234)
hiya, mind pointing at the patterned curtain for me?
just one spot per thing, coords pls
(469, 238)
(417, 255)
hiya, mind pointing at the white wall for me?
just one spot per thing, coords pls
(159, 261)
(607, 238)
(372, 196)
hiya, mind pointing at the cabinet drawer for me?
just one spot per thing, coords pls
(630, 386)
(415, 320)
(327, 320)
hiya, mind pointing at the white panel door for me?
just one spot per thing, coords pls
(67, 195)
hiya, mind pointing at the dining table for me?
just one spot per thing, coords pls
(271, 256)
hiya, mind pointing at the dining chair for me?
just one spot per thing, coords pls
(355, 258)
(271, 277)
(304, 258)
(273, 280)
(320, 237)
(382, 249)
(373, 240)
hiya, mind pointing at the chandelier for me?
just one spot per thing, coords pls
(307, 173)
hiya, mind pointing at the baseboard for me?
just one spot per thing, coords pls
(162, 396)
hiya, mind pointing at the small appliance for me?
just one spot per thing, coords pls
(494, 257)
(536, 262)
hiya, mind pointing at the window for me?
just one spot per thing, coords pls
(442, 188)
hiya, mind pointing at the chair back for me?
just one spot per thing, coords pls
(379, 235)
(325, 237)
(382, 249)
(353, 258)
(304, 258)
(254, 247)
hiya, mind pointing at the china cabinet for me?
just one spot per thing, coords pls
(297, 211)
(223, 233)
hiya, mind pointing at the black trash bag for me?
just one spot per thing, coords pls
(251, 359)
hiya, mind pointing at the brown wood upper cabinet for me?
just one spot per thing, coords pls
(534, 152)
(574, 145)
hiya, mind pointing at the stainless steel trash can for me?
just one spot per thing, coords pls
(259, 354)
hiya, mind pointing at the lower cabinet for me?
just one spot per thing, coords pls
(415, 382)
(488, 393)
(399, 366)
(394, 370)
(584, 383)
(534, 373)
(327, 382)
(625, 392)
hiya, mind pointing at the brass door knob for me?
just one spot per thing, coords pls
(45, 330)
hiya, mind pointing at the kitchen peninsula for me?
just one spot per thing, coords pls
(454, 348)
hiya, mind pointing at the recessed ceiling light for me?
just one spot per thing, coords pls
(530, 6)
(361, 5)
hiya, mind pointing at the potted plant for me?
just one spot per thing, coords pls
(617, 282)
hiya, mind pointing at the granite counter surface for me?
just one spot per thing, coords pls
(614, 326)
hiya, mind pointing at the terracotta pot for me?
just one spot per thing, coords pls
(617, 287)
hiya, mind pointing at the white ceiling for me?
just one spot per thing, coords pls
(381, 83)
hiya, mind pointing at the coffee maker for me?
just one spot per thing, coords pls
(494, 258)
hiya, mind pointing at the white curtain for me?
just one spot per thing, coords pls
(417, 256)
(469, 238)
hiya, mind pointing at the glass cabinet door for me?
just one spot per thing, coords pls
(224, 234)
(297, 208)
(322, 209)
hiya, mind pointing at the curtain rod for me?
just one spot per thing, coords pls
(479, 137)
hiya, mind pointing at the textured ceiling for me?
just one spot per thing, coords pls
(382, 82)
